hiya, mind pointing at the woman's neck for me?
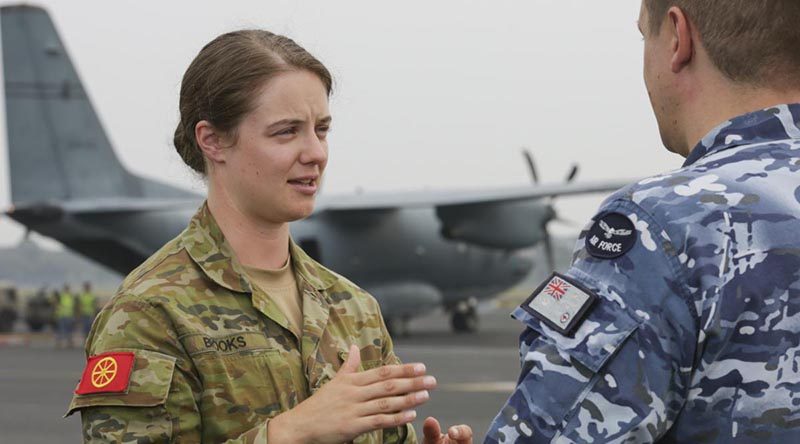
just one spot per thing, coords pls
(256, 243)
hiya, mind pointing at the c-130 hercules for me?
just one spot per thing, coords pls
(412, 251)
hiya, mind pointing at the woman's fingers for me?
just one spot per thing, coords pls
(394, 387)
(393, 404)
(353, 361)
(386, 420)
(386, 372)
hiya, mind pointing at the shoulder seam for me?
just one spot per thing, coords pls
(127, 283)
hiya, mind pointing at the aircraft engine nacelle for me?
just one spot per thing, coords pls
(405, 299)
(501, 225)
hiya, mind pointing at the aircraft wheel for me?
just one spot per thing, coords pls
(465, 321)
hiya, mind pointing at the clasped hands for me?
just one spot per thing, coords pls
(354, 403)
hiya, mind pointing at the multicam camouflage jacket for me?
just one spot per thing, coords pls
(691, 284)
(213, 357)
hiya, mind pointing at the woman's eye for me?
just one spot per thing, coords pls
(287, 131)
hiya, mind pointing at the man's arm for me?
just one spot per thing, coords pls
(622, 373)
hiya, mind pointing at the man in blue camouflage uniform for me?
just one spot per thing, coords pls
(679, 320)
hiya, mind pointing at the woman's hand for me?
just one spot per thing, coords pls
(460, 434)
(353, 403)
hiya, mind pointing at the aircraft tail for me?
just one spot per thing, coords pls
(58, 150)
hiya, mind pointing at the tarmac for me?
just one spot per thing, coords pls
(476, 373)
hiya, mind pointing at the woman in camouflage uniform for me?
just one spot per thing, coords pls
(230, 331)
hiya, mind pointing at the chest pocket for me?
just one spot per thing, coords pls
(245, 379)
(572, 364)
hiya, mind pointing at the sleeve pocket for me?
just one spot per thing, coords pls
(560, 370)
(149, 384)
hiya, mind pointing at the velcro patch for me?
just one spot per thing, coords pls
(106, 373)
(561, 303)
(611, 236)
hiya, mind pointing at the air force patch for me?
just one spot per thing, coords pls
(611, 236)
(561, 303)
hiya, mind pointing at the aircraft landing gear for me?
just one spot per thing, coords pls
(465, 317)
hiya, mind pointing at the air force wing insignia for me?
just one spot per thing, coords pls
(611, 236)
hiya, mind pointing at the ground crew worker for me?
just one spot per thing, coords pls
(87, 304)
(231, 332)
(678, 320)
(65, 317)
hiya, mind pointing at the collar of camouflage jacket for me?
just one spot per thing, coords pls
(767, 125)
(205, 243)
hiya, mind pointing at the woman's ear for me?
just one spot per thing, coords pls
(210, 141)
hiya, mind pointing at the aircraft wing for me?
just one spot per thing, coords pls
(439, 198)
(502, 218)
(103, 206)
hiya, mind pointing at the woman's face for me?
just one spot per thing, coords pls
(274, 169)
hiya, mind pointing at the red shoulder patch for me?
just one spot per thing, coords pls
(106, 373)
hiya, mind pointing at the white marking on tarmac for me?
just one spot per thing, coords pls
(481, 387)
(446, 349)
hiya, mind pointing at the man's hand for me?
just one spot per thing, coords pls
(460, 434)
(353, 403)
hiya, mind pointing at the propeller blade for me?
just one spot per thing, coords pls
(548, 240)
(566, 222)
(548, 250)
(572, 173)
(531, 165)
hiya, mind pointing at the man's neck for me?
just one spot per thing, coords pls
(718, 105)
(256, 243)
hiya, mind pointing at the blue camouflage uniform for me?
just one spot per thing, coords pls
(694, 331)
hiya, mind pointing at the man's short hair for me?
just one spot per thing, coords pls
(750, 41)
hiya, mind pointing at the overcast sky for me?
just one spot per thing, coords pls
(429, 94)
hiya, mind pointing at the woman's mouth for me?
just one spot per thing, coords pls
(304, 185)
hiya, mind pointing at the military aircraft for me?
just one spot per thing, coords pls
(412, 251)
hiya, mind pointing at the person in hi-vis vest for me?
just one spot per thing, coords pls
(87, 308)
(65, 317)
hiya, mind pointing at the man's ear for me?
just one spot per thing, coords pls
(210, 141)
(682, 39)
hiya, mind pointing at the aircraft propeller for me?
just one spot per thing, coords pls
(531, 165)
(547, 239)
(573, 172)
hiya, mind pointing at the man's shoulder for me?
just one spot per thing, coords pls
(731, 178)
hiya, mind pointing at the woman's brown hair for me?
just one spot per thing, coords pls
(224, 78)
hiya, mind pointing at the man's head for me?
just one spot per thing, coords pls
(700, 53)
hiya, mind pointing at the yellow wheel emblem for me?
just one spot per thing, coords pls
(104, 372)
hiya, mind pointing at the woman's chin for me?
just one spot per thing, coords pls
(301, 212)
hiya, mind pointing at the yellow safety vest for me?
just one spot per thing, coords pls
(66, 305)
(86, 303)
